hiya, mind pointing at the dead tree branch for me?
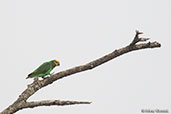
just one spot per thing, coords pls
(51, 103)
(22, 103)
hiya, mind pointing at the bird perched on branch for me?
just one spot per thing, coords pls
(44, 69)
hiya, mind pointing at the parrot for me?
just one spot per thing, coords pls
(44, 69)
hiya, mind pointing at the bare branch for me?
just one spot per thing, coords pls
(52, 103)
(38, 84)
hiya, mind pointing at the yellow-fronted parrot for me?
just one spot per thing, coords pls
(44, 69)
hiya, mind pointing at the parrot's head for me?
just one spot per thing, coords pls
(56, 62)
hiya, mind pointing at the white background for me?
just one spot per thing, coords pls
(76, 32)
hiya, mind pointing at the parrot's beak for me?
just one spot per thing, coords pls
(58, 64)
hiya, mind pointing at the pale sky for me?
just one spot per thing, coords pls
(76, 32)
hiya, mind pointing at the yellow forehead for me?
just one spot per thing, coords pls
(57, 61)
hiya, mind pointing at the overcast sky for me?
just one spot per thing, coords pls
(76, 32)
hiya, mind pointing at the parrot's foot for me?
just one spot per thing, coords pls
(36, 79)
(44, 77)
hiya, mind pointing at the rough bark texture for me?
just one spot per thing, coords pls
(22, 103)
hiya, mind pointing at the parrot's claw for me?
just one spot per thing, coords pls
(44, 77)
(36, 79)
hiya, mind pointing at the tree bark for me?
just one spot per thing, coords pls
(22, 103)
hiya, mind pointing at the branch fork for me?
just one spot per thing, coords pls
(137, 39)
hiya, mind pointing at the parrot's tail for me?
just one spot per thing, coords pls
(29, 76)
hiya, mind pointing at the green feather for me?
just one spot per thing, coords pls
(43, 69)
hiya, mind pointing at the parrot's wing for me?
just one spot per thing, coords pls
(42, 69)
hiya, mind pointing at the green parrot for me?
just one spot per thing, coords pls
(44, 69)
